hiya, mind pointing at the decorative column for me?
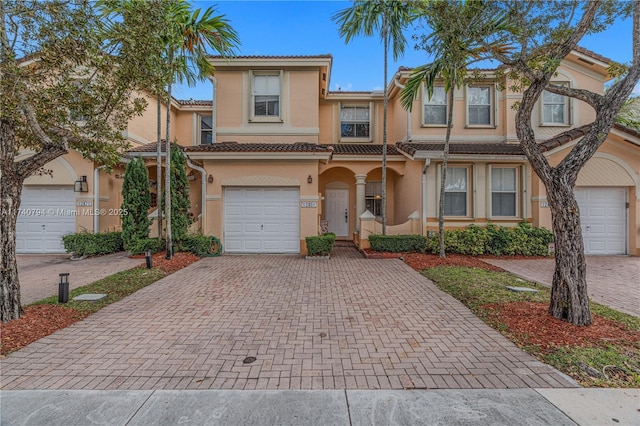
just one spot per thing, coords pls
(360, 193)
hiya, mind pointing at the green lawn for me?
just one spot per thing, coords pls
(116, 286)
(601, 363)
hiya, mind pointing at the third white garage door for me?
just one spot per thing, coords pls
(262, 220)
(604, 219)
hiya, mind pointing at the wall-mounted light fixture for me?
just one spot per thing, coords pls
(310, 179)
(81, 185)
(210, 179)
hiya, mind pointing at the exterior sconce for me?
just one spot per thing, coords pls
(310, 179)
(81, 185)
(210, 179)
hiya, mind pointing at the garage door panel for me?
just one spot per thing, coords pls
(269, 219)
(47, 214)
(603, 219)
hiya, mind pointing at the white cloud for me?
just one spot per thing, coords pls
(338, 87)
(636, 90)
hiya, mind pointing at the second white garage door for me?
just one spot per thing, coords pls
(47, 213)
(262, 220)
(603, 219)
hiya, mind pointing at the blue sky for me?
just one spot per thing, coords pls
(305, 28)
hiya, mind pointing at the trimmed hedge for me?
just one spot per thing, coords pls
(196, 244)
(523, 240)
(140, 246)
(398, 243)
(320, 245)
(85, 244)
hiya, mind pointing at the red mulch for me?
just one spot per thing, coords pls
(179, 261)
(531, 324)
(419, 261)
(37, 322)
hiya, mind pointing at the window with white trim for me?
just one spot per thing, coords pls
(373, 197)
(456, 188)
(555, 109)
(205, 129)
(479, 106)
(266, 95)
(504, 194)
(435, 107)
(354, 121)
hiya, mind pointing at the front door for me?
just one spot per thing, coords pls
(337, 211)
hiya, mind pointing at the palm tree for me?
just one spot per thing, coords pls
(188, 36)
(389, 18)
(629, 114)
(452, 42)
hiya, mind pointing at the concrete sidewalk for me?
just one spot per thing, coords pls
(323, 407)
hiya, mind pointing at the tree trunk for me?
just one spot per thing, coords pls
(569, 298)
(167, 179)
(385, 33)
(443, 178)
(159, 167)
(10, 190)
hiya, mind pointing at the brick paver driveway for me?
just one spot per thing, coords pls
(611, 280)
(341, 323)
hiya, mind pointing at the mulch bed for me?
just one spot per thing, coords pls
(39, 321)
(531, 324)
(419, 261)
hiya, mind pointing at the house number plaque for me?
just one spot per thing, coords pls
(309, 204)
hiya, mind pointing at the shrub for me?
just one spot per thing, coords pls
(135, 203)
(85, 244)
(200, 245)
(141, 245)
(398, 243)
(180, 201)
(320, 245)
(523, 240)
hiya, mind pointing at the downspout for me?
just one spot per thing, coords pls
(96, 198)
(213, 114)
(96, 194)
(400, 86)
(427, 161)
(203, 203)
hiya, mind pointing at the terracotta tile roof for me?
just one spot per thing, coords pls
(151, 147)
(564, 138)
(629, 130)
(259, 147)
(323, 55)
(363, 149)
(593, 54)
(479, 148)
(198, 102)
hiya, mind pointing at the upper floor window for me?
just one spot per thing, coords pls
(435, 107)
(354, 122)
(504, 191)
(479, 106)
(555, 110)
(206, 130)
(266, 95)
(456, 188)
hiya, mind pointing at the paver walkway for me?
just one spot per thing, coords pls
(343, 323)
(39, 273)
(611, 280)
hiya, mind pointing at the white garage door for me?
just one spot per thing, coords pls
(46, 214)
(603, 218)
(262, 220)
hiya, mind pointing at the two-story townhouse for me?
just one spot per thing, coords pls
(275, 156)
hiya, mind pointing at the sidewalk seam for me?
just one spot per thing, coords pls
(346, 399)
(141, 405)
